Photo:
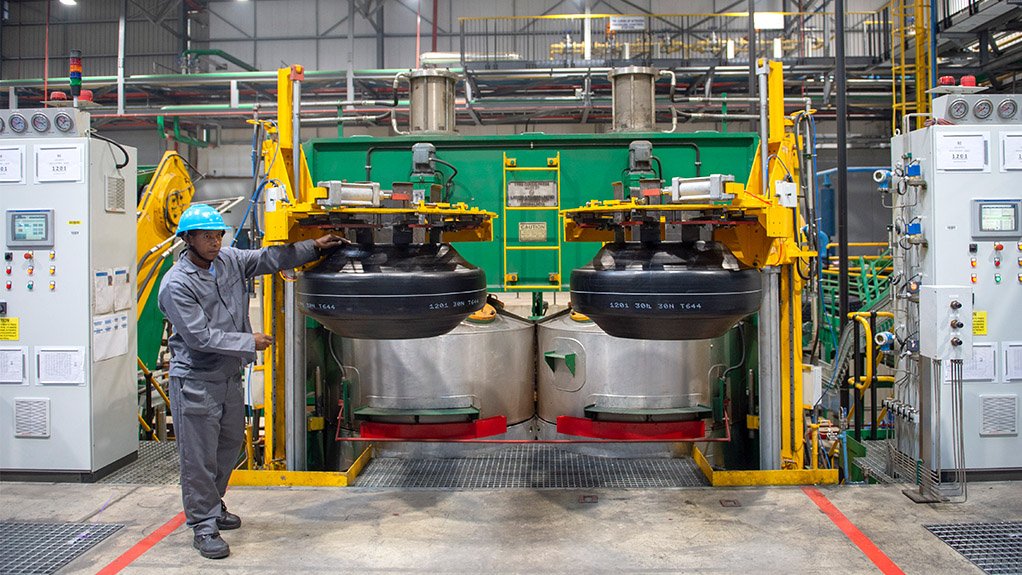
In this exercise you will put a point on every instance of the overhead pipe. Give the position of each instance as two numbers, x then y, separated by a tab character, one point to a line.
341	119
178	136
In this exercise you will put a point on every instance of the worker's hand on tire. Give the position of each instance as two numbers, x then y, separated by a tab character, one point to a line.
329	241
262	341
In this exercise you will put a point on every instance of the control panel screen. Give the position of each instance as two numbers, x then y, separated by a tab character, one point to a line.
33	227
29	228
997	218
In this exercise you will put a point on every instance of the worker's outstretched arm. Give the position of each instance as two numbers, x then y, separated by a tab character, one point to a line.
275	258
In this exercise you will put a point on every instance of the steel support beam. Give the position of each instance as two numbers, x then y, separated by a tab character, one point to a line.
769	345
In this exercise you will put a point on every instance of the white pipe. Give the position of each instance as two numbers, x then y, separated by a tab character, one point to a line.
588	32
296	138
393	116
764	127
674	121
121	30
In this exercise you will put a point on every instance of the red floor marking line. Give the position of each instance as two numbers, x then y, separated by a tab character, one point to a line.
147	543
871	551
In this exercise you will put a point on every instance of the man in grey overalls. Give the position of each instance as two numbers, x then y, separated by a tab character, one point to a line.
204	298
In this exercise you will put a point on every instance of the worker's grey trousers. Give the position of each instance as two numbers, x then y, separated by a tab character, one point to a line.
209	427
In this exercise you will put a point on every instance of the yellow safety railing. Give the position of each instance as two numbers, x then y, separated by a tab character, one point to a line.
910	59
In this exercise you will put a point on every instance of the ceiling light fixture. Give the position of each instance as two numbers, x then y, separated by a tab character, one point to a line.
69	2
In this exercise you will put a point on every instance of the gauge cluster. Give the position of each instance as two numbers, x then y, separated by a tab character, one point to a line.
979	108
42	122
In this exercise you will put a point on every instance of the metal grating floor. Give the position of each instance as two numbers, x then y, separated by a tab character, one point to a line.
996	548
157	464
531	467
43	548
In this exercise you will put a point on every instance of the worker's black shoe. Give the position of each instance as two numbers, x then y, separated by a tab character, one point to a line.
227	520
211	546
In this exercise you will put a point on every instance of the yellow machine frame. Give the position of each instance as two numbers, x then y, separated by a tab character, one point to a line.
773	240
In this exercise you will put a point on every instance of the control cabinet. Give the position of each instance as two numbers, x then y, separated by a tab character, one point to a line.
68	391
958	225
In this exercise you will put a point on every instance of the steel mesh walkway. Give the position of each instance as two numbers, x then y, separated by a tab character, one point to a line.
157	464
43	548
531	467
996	548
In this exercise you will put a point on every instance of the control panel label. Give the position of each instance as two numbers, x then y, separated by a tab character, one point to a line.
962	152
11	163
1011	152
58	163
979	323
9	329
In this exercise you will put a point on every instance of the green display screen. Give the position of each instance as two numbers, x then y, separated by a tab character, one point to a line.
30	227
998	218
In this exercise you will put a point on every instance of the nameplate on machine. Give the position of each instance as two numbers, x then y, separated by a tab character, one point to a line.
12	165
962	152
58	164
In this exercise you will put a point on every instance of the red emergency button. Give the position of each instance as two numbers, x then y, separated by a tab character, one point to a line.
998	246
28	255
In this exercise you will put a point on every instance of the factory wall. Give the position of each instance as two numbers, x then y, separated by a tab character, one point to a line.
269	33
91	27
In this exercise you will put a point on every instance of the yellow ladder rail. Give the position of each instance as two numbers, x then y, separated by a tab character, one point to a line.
511	165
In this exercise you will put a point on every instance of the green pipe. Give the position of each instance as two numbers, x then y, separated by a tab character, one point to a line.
236	61
204	107
178	136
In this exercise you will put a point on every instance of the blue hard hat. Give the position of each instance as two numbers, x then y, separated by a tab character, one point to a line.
200	217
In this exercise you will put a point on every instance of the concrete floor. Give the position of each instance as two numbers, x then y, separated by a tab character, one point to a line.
317	530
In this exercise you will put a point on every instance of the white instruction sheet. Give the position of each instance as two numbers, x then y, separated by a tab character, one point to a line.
967	152
1013	360
58	164
60	365
982	366
102	291
12	365
109	336
122	289
12	165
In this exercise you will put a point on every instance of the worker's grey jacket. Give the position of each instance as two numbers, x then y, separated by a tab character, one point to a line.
212	337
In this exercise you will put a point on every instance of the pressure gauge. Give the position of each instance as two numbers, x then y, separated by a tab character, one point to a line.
63	122
40	122
958	109
17	124
983	109
1007	109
